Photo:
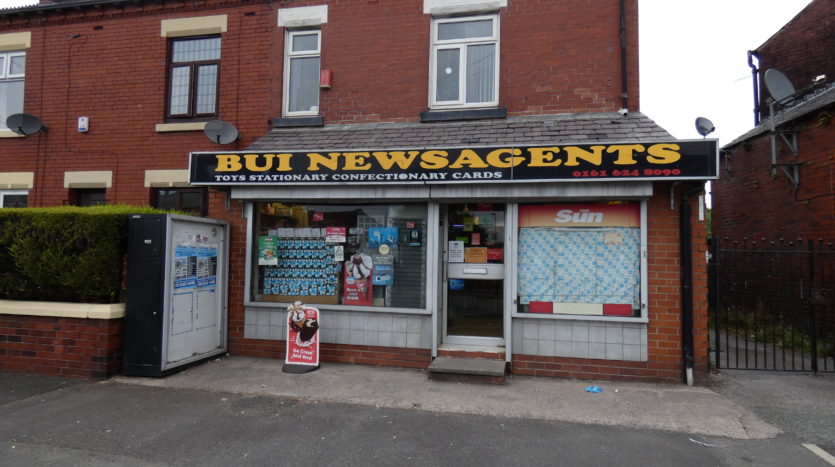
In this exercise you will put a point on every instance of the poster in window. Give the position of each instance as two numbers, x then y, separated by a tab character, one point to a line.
267	249
382	236
358	289
383	270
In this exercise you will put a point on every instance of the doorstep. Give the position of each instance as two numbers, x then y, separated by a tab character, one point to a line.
468	370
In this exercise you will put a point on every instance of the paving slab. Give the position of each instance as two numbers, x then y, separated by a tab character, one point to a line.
677	408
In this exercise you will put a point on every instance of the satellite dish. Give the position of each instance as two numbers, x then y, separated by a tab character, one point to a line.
220	132
704	126
778	85
24	124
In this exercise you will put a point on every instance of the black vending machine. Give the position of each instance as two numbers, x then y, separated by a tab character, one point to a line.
176	291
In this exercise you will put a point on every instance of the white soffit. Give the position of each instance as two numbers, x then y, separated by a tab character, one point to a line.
91	179
17	180
183	27
453	7
166	178
15	41
302	16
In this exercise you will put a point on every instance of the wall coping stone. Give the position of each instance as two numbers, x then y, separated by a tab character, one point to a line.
63	309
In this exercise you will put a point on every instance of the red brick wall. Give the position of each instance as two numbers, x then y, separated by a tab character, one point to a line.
665	354
341	353
802	49
70	347
749	203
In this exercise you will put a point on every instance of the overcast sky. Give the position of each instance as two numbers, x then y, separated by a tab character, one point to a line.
694	61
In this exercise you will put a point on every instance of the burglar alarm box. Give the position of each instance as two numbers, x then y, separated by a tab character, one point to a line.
176	290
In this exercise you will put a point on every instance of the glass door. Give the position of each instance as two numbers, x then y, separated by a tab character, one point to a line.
474	272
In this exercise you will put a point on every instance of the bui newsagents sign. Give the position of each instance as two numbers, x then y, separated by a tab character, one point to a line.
680	160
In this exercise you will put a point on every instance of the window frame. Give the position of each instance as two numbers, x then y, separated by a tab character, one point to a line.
461	45
289	55
4	193
204	192
193	76
6	76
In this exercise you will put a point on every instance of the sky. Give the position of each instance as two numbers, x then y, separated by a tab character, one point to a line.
693	60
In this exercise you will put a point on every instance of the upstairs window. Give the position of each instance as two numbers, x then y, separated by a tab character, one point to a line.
193	77
301	77
189	200
12	73
464	62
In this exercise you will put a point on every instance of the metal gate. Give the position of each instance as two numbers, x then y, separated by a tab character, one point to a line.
771	304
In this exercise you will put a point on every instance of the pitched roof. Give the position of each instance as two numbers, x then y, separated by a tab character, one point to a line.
810	104
528	130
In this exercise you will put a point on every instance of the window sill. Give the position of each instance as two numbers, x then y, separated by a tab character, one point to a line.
329	307
564	317
9	134
292	122
169	127
463	114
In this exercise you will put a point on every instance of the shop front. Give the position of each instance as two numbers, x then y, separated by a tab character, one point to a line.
527	253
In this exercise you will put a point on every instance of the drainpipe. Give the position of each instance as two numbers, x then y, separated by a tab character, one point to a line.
623	77
756	81
686	261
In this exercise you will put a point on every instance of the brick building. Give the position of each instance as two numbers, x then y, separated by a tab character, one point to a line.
793	186
440	177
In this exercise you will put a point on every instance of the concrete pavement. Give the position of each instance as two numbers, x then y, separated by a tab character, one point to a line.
694	410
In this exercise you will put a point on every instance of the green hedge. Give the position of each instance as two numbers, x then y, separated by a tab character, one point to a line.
65	253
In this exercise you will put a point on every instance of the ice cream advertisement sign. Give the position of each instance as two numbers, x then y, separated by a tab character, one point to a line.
302	335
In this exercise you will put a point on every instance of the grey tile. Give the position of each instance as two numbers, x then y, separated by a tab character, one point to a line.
415	325
399	323
372	322
546	330
413	340
562	331
358	322
384	339
562	348
530	330
614	351
277	318
343	321
614	334
426	340
580	349
597	350
530	346
262	332
546	348
644	356
264	317
644	337
384	323
597	334
357	337
250	331
516	331
631	336
327	334
250	317
398	339
369	338
580	331
343	336
632	353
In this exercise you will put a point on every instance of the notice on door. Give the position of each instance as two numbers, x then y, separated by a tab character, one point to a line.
455	253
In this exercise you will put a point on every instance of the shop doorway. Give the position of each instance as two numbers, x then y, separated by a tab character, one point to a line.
474	273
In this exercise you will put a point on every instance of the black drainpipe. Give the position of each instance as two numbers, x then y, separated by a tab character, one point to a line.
623	78
756	80
686	261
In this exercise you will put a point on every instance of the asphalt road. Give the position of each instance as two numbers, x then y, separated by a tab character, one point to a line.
60	422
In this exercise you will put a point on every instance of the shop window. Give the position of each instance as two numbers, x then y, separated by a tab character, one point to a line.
193	77
12	73
362	255
189	200
464	62
88	197
14	199
580	259
301	79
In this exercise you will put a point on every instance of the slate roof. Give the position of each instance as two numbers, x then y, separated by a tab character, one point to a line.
810	104
518	131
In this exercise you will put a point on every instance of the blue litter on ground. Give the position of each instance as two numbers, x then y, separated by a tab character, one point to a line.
594	389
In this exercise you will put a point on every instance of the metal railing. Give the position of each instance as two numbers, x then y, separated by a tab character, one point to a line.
772	304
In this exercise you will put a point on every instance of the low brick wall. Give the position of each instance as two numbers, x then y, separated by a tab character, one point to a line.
591	369
61	339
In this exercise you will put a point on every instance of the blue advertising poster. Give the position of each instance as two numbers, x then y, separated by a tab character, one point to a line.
185	267
382	236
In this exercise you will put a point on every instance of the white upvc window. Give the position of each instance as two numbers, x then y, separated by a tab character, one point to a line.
465	62
12	73
14	198
301	72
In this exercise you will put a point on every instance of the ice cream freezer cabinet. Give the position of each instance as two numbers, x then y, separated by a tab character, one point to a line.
176	293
